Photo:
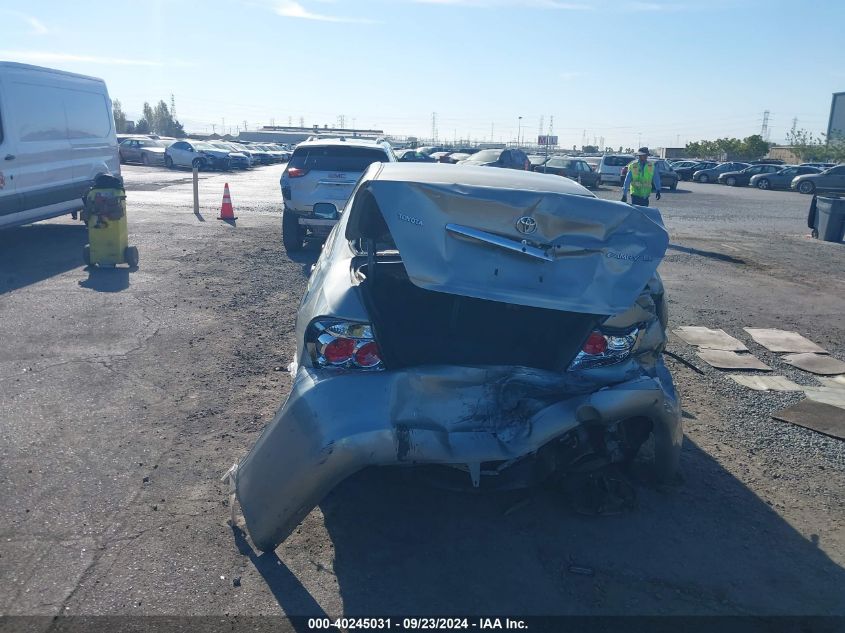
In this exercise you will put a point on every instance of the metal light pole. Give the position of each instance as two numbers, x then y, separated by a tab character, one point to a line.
518	131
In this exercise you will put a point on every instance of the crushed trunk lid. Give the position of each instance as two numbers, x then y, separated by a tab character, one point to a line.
537	242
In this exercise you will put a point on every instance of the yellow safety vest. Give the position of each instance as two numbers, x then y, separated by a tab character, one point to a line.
641	179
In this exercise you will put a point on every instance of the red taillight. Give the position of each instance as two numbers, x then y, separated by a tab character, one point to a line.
340	350
368	355
296	172
596	344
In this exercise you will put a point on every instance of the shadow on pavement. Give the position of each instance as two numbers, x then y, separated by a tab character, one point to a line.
29	254
107	279
709	546
722	257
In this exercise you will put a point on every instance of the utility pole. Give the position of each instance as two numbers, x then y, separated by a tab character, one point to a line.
244	125
173	107
214	128
434	127
302	121
540	129
518	131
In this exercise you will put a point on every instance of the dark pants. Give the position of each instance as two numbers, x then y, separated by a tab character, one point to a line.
640	202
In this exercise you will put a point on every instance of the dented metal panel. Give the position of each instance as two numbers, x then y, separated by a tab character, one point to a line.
431	415
581	254
336	422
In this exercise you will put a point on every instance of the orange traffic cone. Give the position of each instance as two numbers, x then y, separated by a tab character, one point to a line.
226	210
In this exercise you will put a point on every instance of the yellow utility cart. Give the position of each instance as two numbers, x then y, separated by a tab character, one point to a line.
105	216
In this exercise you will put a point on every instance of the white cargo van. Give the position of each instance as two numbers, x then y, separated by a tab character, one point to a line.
56	136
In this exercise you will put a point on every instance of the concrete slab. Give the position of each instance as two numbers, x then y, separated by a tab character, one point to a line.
725	359
833	396
816	363
776	340
818	416
833	381
767	383
709	339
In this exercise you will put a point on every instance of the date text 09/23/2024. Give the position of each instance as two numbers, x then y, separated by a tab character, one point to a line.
413	624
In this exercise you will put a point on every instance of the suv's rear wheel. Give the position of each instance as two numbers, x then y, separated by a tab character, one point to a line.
292	234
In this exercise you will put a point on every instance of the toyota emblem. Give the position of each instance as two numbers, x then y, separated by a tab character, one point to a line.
526	225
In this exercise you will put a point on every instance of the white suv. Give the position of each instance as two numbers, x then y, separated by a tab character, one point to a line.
317	182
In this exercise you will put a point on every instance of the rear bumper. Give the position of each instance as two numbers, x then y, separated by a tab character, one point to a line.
333	425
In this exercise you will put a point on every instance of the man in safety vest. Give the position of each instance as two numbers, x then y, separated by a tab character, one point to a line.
640	178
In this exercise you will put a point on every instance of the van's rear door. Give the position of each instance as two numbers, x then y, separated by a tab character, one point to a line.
9	199
562	251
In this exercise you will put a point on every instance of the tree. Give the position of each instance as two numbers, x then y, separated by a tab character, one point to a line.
805	145
589	149
119	117
159	120
754	147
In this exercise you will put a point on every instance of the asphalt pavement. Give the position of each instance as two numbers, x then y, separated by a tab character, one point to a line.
125	395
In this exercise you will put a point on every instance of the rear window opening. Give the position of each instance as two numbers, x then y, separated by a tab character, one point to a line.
336	158
414	326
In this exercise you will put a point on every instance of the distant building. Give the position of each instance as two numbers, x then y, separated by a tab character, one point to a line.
288	134
671	152
836	123
784	153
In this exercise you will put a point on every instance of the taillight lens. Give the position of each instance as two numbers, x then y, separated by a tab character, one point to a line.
596	344
338	344
339	350
605	348
368	355
296	172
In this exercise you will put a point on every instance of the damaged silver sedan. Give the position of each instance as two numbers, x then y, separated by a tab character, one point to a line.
490	321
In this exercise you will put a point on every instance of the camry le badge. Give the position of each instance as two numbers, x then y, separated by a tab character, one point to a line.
526	225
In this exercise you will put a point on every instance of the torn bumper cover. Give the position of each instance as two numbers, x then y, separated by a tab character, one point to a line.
335	425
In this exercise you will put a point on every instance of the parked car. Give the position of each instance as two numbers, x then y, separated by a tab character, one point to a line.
440	306
440	157
457	157
199	154
821	166
237	158
781	179
686	170
142	150
537	160
508	158
711	174
56	137
413	156
317	182
574	168
263	156
743	176
610	168
829	181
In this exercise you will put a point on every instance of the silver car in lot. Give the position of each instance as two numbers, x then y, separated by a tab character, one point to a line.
501	325
318	180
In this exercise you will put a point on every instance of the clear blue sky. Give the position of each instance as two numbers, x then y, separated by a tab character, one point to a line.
624	70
